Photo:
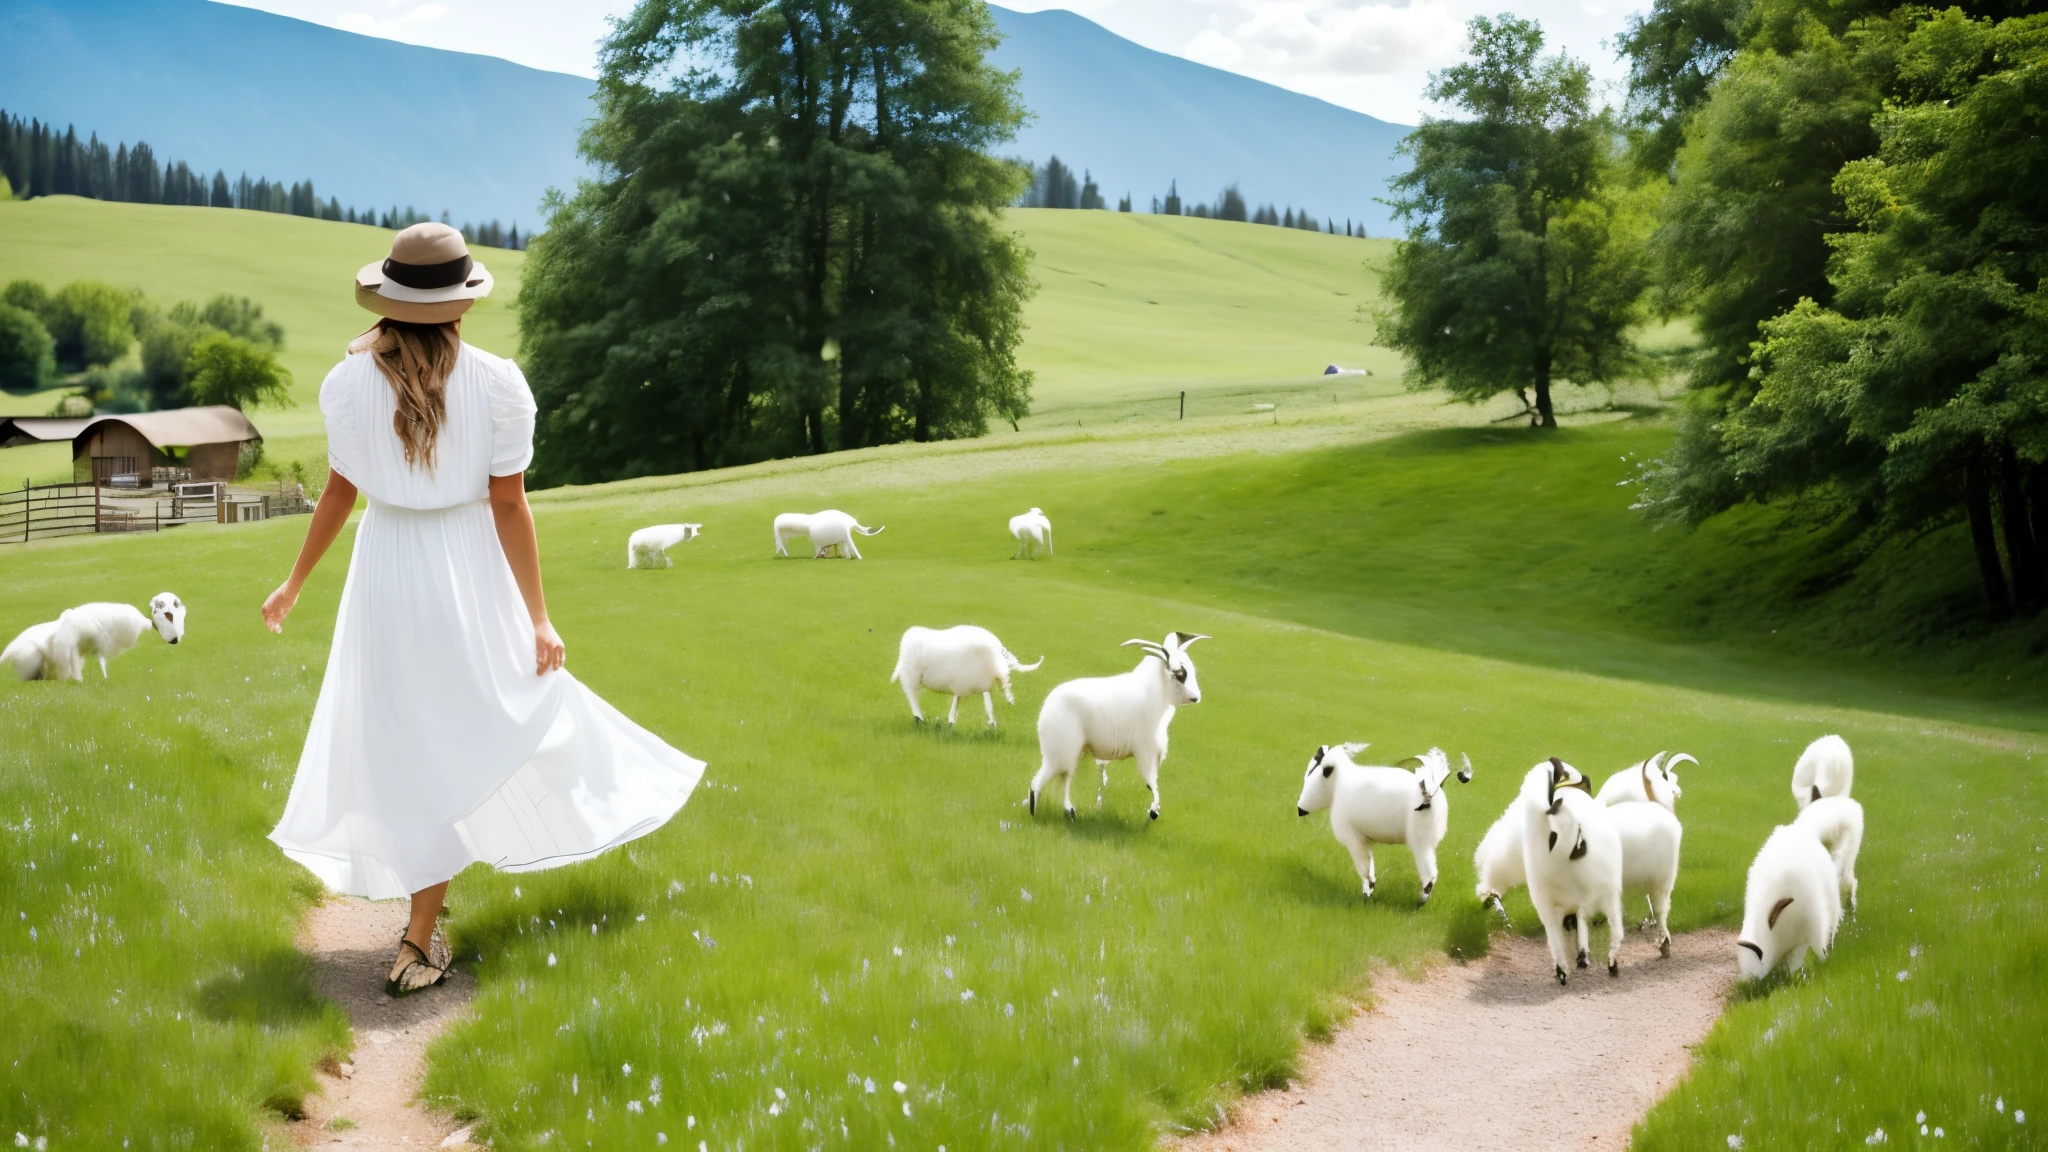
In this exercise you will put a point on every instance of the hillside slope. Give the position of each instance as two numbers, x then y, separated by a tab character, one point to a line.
1130	309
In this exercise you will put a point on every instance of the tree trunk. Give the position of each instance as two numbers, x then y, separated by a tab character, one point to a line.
2021	551
1990	576
1545	418
2037	507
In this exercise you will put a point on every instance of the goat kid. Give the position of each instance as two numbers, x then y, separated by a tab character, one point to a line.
1369	805
1033	532
827	531
648	547
1826	768
57	649
963	660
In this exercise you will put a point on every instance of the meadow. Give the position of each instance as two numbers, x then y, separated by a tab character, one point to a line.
851	902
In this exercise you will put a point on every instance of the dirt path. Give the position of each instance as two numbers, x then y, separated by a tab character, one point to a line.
369	1103
1495	1055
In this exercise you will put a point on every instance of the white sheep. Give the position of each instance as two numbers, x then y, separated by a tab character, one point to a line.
1650	837
962	660
1791	905
1371	805
1116	717
1498	860
1654	780
648	547
1571	852
826	530
1837	822
57	650
1826	768
1033	532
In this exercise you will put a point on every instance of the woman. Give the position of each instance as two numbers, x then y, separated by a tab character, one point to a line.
446	731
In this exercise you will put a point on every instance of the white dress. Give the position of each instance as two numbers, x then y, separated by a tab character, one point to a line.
433	744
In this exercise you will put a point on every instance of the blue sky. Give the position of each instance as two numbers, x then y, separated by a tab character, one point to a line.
1371	56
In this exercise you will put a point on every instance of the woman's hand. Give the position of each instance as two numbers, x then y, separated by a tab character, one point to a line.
548	650
279	606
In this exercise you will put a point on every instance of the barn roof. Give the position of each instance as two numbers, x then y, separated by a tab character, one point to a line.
171	428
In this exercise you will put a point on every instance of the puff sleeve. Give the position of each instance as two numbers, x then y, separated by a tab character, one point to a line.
512	412
337	406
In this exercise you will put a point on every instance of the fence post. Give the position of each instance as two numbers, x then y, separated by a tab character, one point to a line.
24	510
1183	404
96	529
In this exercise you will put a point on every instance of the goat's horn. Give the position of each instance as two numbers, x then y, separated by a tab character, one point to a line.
1776	910
1183	639
1151	647
1672	764
1465	777
1354	748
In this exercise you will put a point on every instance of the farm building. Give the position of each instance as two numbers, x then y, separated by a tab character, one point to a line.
207	441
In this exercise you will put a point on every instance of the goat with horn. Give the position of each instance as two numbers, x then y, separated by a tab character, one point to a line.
1122	717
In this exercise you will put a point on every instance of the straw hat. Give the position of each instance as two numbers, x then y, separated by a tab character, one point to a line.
429	278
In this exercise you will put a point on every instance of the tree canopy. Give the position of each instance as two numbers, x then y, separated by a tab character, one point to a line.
1520	265
794	244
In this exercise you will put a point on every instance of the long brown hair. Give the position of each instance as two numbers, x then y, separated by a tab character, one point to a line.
416	359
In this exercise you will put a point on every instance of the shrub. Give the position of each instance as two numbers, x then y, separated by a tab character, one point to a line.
27	356
224	369
91	322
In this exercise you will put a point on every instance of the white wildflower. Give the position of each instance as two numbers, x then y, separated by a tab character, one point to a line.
551	960
900	1087
1877	1137
966	994
1734	1141
633	1106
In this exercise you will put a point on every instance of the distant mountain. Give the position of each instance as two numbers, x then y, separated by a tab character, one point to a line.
370	121
378	122
1137	119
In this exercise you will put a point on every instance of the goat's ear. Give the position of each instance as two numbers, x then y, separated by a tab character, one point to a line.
1776	910
1816	791
1753	948
1556	806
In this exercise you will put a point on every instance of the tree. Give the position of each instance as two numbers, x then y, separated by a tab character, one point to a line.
1091	196
26	358
1520	266
1917	394
1674	52
223	369
794	242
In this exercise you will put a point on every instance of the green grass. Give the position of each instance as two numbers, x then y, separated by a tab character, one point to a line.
1192	956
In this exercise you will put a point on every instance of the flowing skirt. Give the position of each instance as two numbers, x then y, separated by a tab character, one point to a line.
434	745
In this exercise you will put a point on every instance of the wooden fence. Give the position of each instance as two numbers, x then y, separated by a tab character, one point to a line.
41	511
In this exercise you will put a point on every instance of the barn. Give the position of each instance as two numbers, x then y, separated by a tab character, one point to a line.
208	441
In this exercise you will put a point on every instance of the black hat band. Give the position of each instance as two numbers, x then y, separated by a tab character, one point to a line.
429	276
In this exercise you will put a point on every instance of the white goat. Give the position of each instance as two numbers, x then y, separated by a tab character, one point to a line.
1826	768
1116	717
1571	852
826	530
1498	860
962	660
1650	837
1791	905
1382	806
648	547
1655	780
1033	531
1837	822
57	650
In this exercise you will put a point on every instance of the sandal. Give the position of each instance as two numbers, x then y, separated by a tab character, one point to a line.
418	973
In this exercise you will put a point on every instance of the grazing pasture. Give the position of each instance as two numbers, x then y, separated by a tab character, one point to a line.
1190	957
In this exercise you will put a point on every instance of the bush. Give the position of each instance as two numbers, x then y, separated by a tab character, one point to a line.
224	369
249	460
92	324
27	357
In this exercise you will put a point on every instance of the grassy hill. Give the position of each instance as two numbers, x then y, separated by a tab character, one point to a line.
1378	567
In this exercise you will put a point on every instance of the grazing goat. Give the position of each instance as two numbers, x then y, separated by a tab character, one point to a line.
1033	532
1116	717
1650	837
1571	852
826	530
648	547
1498	860
1826	768
1654	780
1792	904
962	660
57	650
1382	806
1837	822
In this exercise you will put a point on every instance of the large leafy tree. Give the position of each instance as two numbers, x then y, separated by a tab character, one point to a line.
1919	389
795	243
1519	266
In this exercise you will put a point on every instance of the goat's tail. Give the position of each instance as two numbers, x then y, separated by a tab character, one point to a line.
1017	665
868	531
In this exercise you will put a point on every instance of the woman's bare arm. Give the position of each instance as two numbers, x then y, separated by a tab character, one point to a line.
522	552
337	500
